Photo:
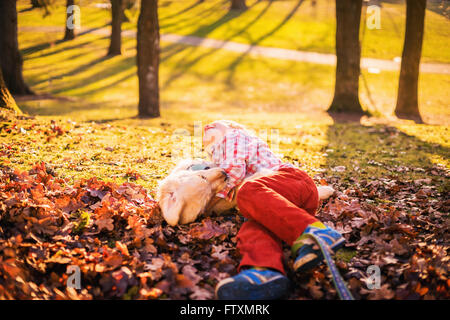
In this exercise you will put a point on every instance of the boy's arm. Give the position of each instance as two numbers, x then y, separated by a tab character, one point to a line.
231	158
236	174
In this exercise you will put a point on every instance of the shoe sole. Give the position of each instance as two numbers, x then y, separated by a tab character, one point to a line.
275	289
319	257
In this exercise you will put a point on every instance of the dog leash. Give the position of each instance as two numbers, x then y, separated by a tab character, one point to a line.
338	281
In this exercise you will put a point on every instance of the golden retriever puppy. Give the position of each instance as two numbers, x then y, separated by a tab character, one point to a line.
188	190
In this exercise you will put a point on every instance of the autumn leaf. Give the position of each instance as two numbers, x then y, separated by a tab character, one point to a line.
113	261
105	223
122	248
383	220
207	230
384	293
183	281
191	273
315	292
10	268
201	294
153	293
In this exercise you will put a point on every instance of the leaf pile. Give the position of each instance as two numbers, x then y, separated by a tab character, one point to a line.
400	226
113	233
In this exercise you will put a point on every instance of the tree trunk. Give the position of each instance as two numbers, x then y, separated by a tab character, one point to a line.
6	99
148	59
10	58
117	14
238	5
348	54
407	98
69	34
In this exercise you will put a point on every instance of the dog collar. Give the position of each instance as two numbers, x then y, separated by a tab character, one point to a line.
196	167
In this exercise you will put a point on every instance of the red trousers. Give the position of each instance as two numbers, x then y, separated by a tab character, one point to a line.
278	207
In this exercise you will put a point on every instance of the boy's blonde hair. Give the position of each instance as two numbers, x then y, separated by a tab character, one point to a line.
221	126
230	123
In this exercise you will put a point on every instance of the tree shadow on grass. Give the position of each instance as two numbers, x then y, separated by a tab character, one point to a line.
105	72
30	8
192	20
380	151
184	10
440	7
233	65
186	63
57	106
128	75
84	67
46	45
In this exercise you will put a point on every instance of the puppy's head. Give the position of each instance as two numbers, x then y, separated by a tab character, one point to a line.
184	194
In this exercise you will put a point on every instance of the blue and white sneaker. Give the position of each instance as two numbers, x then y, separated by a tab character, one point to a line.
308	251
253	284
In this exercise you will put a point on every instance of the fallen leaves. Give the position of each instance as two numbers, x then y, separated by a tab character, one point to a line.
113	233
207	230
116	236
397	226
45	222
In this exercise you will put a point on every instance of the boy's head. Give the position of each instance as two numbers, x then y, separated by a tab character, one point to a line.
215	131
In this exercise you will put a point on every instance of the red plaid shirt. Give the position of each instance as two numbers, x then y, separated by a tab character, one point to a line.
242	155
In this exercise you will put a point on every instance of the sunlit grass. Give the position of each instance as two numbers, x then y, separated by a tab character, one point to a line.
291	24
199	85
197	78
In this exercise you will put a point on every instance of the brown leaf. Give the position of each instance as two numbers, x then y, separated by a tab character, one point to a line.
384	293
315	292
191	273
183	281
207	230
9	267
113	261
122	248
200	294
105	223
153	293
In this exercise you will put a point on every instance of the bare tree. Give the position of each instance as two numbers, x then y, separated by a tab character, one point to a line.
10	57
407	98
148	59
238	5
117	14
6	99
69	33
348	54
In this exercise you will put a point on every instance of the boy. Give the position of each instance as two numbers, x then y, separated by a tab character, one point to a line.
279	207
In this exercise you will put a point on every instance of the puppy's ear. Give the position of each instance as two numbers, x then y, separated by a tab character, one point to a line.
171	207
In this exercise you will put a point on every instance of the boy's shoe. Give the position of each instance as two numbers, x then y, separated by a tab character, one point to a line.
253	284
308	251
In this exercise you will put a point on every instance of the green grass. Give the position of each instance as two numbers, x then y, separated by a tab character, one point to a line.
288	24
199	85
346	254
96	101
124	150
196	78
